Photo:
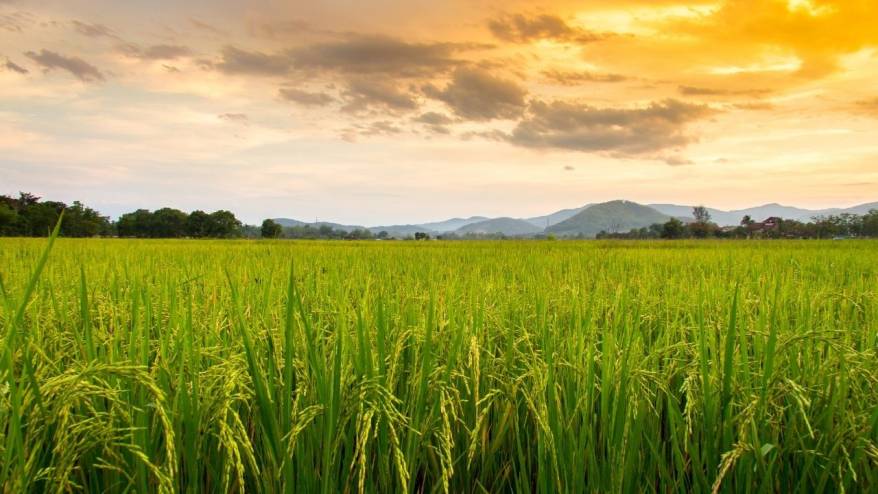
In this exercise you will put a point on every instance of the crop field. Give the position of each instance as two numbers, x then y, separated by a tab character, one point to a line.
529	366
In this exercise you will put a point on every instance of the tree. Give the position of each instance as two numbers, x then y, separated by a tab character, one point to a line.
701	214
224	225
168	223
383	235
747	220
137	224
702	227
39	218
198	224
422	236
674	228
869	222
271	229
82	221
8	220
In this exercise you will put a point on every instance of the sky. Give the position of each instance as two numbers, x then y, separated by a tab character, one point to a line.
389	111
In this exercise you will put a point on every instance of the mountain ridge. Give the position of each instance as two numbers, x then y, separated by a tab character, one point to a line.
601	218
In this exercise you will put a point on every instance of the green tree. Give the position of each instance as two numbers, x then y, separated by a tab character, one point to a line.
198	224
82	221
168	223
673	228
271	229
135	224
8	220
224	225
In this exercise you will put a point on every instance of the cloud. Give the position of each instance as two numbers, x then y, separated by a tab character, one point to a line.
518	28
868	107
816	32
92	30
678	161
15	21
706	91
568	78
380	54
241	118
433	118
379	128
304	97
627	132
436	122
476	94
81	69
155	52
14	67
206	27
237	61
362	94
755	105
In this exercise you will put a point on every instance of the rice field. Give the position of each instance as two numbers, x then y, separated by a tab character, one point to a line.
530	366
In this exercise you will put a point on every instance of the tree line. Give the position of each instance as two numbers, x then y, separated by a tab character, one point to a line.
823	227
28	216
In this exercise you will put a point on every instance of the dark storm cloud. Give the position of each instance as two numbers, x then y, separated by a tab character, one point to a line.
156	52
519	28
559	125
14	67
304	97
576	78
363	94
92	30
81	69
476	94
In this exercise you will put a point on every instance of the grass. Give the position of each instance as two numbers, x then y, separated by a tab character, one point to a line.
218	366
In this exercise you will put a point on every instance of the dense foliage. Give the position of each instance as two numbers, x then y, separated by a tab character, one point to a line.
28	216
832	226
438	366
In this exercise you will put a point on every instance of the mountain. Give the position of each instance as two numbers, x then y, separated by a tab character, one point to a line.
554	218
289	222
506	226
401	231
613	216
452	224
860	209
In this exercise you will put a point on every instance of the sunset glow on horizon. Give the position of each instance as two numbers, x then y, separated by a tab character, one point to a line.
405	112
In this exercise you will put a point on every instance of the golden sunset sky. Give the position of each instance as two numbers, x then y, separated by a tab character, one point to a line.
391	112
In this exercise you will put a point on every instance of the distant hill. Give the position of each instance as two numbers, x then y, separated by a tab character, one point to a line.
554	218
619	216
286	222
401	231
613	216
289	222
452	224
506	226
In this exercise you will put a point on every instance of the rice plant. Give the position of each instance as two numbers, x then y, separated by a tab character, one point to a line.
276	367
